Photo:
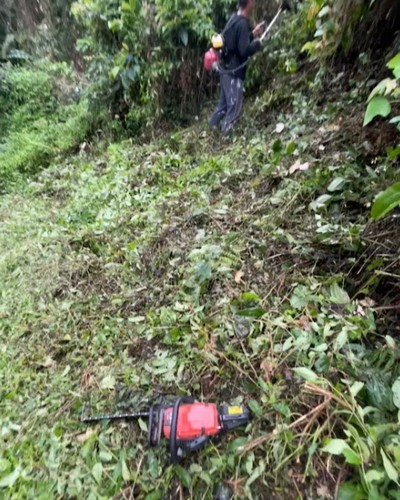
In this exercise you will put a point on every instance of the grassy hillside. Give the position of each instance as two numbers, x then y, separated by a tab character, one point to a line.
241	270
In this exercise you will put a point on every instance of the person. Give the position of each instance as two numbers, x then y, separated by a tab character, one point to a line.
240	43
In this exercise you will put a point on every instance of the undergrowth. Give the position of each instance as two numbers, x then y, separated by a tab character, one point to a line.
243	271
40	119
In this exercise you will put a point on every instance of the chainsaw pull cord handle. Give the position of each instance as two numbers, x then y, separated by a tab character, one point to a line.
173	445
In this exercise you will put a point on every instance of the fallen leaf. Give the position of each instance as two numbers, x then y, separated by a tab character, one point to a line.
333	127
323	491
85	435
238	276
360	311
242	326
87	379
304	323
268	367
298	166
391	84
390	342
367	302
48	362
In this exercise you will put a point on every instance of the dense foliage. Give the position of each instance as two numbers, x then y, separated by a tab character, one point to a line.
138	52
40	118
140	257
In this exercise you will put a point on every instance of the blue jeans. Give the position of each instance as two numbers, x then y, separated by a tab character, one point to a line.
229	107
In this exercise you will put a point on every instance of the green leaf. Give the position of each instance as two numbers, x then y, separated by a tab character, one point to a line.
306	373
8	480
351	491
337	295
356	388
249	297
97	471
352	457
384	87
341	340
377	106
386	201
204	476
105	456
125	471
394	63
183	476
337	184
253	312
374	475
154	495
128	6
389	468
203	272
132	73
115	25
184	36
195	469
379	392
237	443
142	425
277	146
320	202
336	446
290	148
108	382
255	408
390	342
393	153
396	393
153	465
258	471
324	11
301	297
309	47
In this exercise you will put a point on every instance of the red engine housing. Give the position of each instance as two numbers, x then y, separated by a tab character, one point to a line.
194	420
211	59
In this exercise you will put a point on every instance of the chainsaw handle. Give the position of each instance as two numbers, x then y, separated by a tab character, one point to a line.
173	445
155	423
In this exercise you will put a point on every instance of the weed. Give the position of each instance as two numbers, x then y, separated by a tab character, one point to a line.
245	272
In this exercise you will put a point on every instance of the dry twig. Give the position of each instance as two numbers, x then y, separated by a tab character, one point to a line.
262	439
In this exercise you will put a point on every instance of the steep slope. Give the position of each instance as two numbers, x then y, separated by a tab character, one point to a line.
241	270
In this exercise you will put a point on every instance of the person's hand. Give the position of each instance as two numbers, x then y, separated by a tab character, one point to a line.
257	31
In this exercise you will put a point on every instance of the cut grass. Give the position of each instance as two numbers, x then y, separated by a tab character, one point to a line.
180	266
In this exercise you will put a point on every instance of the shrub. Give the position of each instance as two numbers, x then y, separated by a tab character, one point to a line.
145	54
38	121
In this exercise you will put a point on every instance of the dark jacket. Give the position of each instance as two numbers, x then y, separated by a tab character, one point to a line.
238	45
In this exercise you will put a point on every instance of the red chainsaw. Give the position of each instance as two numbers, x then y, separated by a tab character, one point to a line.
186	423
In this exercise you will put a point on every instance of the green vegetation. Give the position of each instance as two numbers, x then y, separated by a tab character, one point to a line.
140	257
35	127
